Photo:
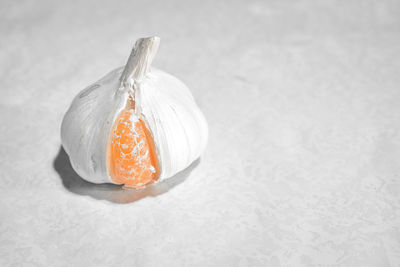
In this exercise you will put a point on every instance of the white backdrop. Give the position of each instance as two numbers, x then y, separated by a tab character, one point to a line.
303	162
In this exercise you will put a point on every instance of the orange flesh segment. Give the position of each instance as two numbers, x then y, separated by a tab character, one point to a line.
132	158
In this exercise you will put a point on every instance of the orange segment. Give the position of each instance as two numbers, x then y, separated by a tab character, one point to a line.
131	153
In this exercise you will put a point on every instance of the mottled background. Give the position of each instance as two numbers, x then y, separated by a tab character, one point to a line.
303	162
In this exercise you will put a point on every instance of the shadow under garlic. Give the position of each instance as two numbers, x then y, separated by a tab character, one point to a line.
111	192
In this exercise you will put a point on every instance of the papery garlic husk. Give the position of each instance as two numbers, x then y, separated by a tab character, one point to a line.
173	120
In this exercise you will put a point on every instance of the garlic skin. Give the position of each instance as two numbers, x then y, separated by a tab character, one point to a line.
179	128
86	127
177	125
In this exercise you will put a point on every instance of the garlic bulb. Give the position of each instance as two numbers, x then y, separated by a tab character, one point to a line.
135	126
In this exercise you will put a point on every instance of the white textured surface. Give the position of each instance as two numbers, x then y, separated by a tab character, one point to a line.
303	162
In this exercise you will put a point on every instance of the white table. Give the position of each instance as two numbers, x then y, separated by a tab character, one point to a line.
303	162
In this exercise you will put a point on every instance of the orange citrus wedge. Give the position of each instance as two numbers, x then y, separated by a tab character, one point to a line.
131	153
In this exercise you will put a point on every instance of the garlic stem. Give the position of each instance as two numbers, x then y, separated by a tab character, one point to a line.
139	61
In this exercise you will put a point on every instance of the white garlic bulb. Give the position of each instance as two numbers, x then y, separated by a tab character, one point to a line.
135	126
